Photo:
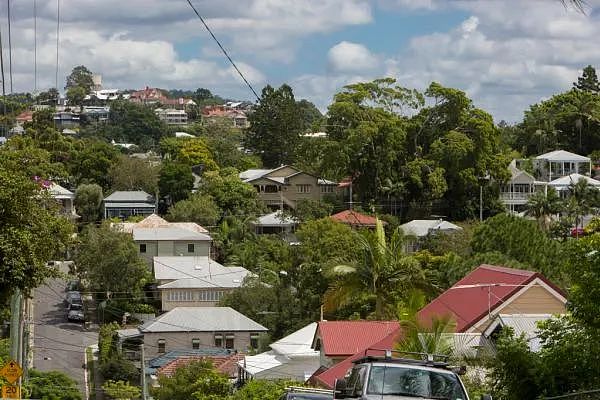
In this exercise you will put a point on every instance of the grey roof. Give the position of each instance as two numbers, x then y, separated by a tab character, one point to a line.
565	181
128	333
59	192
151	234
202	319
251	174
276	219
562	155
130	195
522	324
149	206
422	227
196	273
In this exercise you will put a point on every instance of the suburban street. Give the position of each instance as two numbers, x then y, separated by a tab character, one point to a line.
58	344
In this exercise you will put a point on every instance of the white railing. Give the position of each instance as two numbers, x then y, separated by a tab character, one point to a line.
515	196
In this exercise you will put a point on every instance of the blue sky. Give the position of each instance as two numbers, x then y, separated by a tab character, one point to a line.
505	54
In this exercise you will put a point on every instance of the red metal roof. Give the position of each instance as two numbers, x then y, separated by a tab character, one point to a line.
344	338
355	218
468	305
328	377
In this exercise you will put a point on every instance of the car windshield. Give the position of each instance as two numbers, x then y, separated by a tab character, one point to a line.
414	382
76	307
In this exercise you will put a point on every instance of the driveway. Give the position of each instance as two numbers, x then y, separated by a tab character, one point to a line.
58	345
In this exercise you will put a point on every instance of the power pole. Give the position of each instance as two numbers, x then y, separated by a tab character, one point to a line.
15	325
143	377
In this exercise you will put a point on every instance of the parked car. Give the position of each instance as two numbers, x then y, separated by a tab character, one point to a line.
577	232
73	297
75	313
386	377
301	393
72	286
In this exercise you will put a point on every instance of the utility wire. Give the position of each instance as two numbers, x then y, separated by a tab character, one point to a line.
57	40
2	70
34	46
9	46
223	50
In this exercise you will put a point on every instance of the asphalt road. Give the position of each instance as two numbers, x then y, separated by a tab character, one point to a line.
58	345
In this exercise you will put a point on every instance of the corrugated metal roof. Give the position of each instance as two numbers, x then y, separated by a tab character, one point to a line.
202	319
344	338
297	344
562	155
154	221
352	217
151	234
276	219
130	195
196	272
522	324
422	227
111	205
566	181
468	303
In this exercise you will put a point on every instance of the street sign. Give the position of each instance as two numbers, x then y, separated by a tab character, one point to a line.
11	371
11	392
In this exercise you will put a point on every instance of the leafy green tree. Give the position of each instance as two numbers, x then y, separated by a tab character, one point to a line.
25	156
49	97
263	390
118	369
197	208
307	210
109	260
175	181
542	206
52	385
91	162
120	390
231	194
133	123
311	116
80	77
197	380
584	198
324	240
88	202
523	241
588	81
275	127
515	370
76	95
382	271
31	230
128	173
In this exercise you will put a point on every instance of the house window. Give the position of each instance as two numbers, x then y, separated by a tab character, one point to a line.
195	343
303	188
229	341
271	189
143	248
178	295
218	340
210	295
254	340
162	344
326	189
190	247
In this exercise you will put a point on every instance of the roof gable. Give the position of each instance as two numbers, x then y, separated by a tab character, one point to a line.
480	292
562	155
202	319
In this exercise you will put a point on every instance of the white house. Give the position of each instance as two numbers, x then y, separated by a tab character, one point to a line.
421	228
65	199
194	281
123	204
289	358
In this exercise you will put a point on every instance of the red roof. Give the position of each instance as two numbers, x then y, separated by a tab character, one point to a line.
224	364
344	338
328	377
468	305
25	116
355	218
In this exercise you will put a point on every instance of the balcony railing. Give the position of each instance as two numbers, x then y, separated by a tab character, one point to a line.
515	195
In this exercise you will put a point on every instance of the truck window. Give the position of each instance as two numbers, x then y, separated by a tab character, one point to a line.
392	380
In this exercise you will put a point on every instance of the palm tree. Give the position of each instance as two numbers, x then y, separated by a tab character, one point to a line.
430	337
583	198
543	206
382	270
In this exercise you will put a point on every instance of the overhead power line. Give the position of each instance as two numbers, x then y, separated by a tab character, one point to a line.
223	50
10	74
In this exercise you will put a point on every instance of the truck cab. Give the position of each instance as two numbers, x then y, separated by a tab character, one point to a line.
386	377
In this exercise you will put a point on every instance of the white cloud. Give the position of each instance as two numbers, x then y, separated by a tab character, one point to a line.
351	57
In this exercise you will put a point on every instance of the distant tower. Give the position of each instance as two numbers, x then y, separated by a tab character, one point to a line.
97	79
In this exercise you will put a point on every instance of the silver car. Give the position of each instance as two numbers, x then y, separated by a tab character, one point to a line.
75	313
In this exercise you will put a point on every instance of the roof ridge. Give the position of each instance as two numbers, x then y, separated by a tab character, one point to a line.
508	270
